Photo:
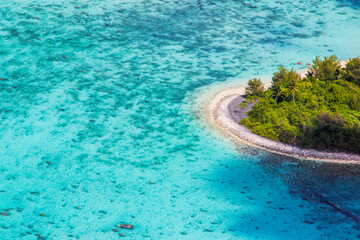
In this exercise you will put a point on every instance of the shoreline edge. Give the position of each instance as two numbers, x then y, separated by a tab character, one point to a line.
218	113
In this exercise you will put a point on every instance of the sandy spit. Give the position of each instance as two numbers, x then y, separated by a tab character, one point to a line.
219	112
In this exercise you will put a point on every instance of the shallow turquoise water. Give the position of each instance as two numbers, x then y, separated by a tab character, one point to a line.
104	91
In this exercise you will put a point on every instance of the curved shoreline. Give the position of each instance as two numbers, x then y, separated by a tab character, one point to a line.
220	112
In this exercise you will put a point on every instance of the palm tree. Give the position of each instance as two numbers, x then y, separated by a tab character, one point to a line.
293	89
281	91
290	89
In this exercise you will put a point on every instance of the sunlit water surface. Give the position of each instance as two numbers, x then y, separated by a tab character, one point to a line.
96	112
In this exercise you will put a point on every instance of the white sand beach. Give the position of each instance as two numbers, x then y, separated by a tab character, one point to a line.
223	112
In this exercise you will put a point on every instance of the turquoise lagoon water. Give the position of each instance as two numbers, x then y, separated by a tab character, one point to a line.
105	91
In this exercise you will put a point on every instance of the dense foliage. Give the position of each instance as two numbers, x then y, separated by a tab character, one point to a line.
255	88
320	111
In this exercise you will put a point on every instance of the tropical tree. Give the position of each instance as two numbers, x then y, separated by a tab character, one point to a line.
281	80
293	89
352	71
280	94
327	69
326	114
255	88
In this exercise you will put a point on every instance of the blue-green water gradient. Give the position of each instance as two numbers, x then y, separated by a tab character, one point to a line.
97	127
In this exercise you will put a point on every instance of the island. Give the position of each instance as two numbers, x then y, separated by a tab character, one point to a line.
314	115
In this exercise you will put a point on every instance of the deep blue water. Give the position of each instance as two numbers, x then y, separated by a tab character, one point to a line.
97	112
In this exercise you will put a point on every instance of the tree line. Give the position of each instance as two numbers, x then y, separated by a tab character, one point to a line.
321	110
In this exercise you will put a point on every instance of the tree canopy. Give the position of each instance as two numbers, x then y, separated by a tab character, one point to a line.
320	111
255	88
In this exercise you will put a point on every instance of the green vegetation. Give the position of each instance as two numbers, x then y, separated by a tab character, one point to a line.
326	70
352	71
248	99
255	88
320	111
